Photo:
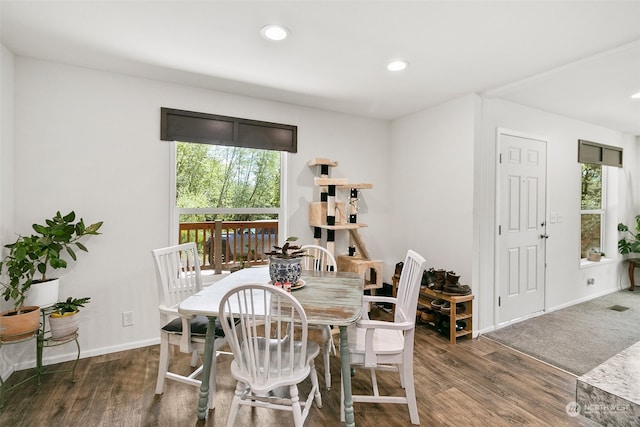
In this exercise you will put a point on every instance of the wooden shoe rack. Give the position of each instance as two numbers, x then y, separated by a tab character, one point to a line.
424	301
427	295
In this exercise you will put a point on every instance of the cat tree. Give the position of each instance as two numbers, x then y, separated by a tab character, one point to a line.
331	215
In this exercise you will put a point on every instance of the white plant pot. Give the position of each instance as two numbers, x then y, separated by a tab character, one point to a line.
63	326
43	294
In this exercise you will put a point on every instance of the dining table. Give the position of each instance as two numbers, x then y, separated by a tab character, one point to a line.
328	298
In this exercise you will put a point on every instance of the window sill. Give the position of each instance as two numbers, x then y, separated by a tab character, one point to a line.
585	263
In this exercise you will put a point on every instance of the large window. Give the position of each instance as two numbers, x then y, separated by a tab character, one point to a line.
228	200
227	189
226	183
592	209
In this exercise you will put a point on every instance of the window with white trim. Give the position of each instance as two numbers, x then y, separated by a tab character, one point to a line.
592	209
227	184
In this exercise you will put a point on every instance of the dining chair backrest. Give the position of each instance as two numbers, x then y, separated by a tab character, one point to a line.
178	271
409	287
318	258
255	318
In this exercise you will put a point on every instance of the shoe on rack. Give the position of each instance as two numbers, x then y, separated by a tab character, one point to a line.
428	279
457	289
451	278
440	276
436	304
427	316
446	307
460	308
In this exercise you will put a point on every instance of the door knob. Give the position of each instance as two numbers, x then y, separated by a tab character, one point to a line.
544	236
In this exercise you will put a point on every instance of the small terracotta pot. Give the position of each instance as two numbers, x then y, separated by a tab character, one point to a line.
14	327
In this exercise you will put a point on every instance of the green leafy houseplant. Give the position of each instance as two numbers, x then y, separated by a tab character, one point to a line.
629	242
63	319
30	256
71	305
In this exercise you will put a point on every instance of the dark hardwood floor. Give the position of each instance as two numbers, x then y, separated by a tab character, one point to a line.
474	383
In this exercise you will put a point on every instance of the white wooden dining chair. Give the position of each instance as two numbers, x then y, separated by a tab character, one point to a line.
178	274
257	319
382	345
318	258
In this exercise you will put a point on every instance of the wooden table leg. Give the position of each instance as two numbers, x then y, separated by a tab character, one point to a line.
345	361
203	402
632	266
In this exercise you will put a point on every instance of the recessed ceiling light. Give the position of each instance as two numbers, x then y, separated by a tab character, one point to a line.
274	32
636	95
398	65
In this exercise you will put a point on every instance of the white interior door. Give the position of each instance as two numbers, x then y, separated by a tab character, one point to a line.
521	226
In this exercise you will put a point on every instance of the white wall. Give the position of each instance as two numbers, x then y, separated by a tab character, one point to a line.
6	167
566	280
432	159
89	141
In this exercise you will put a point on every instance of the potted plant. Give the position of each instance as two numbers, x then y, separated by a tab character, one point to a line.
285	263
594	255
63	319
629	242
25	267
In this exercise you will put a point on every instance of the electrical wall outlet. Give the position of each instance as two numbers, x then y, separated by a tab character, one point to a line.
591	281
127	318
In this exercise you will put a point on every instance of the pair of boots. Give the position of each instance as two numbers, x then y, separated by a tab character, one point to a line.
452	287
443	278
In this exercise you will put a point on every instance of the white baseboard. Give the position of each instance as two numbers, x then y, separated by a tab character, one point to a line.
583	299
72	354
549	310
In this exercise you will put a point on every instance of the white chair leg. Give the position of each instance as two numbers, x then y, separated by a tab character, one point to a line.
374	383
326	354
315	384
407	373
194	358
296	409
163	364
235	404
401	373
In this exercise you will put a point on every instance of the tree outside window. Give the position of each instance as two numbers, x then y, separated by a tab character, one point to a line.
592	209
237	189
218	178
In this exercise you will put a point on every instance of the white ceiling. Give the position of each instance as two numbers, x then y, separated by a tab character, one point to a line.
576	58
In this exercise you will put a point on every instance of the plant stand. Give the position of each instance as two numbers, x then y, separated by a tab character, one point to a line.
43	340
633	264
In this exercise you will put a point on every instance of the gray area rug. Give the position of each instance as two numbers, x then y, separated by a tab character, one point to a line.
581	337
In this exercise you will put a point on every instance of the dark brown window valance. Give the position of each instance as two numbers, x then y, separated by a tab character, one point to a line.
190	126
599	154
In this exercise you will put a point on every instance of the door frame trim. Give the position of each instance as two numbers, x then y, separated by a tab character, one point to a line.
500	131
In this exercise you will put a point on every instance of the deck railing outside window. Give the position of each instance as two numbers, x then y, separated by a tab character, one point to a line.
225	245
